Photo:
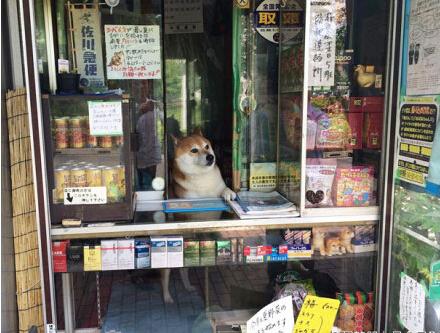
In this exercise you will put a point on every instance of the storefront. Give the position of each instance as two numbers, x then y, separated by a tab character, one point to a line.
331	104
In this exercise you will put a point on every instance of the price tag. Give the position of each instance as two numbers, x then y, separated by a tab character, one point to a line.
95	195
105	118
317	315
277	317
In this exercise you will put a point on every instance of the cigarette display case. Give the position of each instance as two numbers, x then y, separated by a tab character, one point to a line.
88	157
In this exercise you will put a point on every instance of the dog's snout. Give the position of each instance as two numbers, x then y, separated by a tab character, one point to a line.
210	158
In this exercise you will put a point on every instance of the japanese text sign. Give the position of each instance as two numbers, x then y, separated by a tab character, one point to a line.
87	36
85	195
105	118
133	51
412	304
276	317
317	315
322	44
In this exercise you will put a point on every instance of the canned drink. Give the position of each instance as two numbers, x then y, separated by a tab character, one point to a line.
76	133
91	140
106	141
94	176
122	179
111	180
61	132
62	181
119	140
78	177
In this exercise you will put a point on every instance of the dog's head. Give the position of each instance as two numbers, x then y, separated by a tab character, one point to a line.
193	154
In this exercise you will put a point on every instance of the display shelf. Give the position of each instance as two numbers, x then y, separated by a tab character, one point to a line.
89	151
159	223
418	236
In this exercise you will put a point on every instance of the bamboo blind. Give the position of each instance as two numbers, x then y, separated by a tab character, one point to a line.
27	261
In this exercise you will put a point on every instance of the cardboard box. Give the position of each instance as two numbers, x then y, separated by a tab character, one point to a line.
355	121
295	251
59	256
142	257
207	253
364	239
125	253
224	252
109	254
372	133
92	258
175	251
159	257
75	258
191	253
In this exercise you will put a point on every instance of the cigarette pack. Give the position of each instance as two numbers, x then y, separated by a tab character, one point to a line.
207	253
175	251
276	253
224	252
159	252
191	253
109	255
75	258
142	252
125	253
92	258
59	256
253	254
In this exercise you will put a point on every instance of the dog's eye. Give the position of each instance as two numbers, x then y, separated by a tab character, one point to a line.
206	147
194	150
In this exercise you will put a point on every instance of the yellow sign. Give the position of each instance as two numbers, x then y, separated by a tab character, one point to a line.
317	315
92	258
243	3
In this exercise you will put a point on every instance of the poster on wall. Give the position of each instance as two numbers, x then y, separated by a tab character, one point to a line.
423	48
411	304
87	38
183	17
133	51
417	124
322	44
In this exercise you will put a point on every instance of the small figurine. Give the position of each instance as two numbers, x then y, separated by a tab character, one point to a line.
332	246
318	236
363	79
345	236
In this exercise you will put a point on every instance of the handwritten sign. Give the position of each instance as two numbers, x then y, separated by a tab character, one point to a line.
317	315
277	317
96	195
105	118
88	51
412	304
323	44
133	51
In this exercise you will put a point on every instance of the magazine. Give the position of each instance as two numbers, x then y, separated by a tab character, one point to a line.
194	205
261	214
257	202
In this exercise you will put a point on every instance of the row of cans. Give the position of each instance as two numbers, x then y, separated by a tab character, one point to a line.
112	177
75	133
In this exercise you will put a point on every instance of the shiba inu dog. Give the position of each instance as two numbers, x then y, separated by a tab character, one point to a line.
194	175
118	59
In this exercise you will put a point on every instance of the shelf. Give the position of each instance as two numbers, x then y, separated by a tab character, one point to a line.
158	223
89	151
418	236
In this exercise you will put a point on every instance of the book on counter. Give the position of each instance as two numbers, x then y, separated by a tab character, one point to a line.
194	205
260	214
254	202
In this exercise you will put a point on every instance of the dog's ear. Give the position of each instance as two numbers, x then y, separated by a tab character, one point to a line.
198	131
175	139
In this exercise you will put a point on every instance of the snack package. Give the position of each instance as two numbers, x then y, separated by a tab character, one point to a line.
353	186
298	290
356	312
320	174
332	132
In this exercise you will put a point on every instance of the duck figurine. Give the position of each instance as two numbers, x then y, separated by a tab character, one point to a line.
363	79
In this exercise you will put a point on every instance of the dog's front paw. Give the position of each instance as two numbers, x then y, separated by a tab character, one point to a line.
228	194
167	298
